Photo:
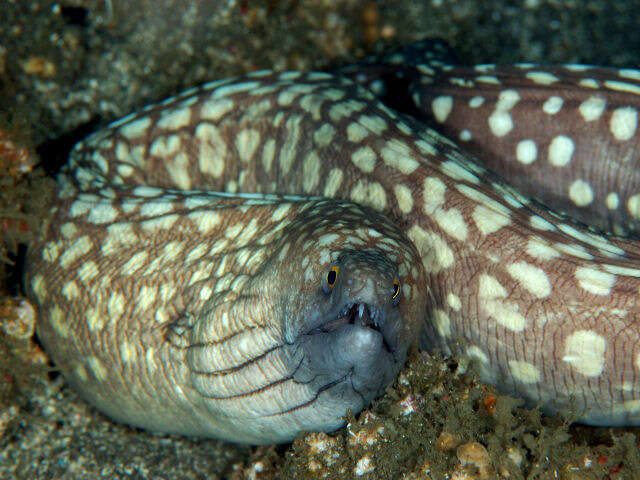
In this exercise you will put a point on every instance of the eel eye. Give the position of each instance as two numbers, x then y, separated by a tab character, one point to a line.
331	279
396	291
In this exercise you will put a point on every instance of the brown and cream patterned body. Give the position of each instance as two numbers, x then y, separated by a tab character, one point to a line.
567	135
548	308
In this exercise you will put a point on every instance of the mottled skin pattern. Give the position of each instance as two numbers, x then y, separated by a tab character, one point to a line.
202	314
547	308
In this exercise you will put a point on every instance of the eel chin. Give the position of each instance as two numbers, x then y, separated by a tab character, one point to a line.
351	358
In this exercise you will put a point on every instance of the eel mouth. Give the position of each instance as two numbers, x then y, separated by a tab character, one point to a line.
359	314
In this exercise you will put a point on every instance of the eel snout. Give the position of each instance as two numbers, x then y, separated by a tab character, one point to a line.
356	351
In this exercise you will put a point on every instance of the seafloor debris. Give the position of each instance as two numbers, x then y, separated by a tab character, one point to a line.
435	424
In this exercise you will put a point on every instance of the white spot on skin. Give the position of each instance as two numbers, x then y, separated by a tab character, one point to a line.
127	352
459	172
622	86
442	322
574	250
589	83
248	233
476	102
406	291
50	252
87	272
631	73
215	109
465	135
163	222
102	213
174	119
488	79
136	262
310	172
489	221
454	301
74	251
375	124
116	306
584	352
592	108
540	249
396	154
507	100
560	151
290	146
580	193
356	132
95	319
150	357
312	103
324	135
334	181
476	353
345	109
500	123
268	152
125	170
147	192
539	223
552	105
212	151
228	90
205	293
433	194
178	171
435	253
595	281
206	221
452	222
155	208
327	239
526	152
365	159
57	321
491	292
633	205
624	122
165	146
524	372
136	129
612	201
247	142
71	291
233	230
541	78
441	107
280	212
146	297
531	278
404	197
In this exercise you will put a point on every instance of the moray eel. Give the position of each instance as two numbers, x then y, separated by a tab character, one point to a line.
248	318
175	320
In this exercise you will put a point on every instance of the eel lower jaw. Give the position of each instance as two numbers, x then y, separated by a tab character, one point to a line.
360	314
354	346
